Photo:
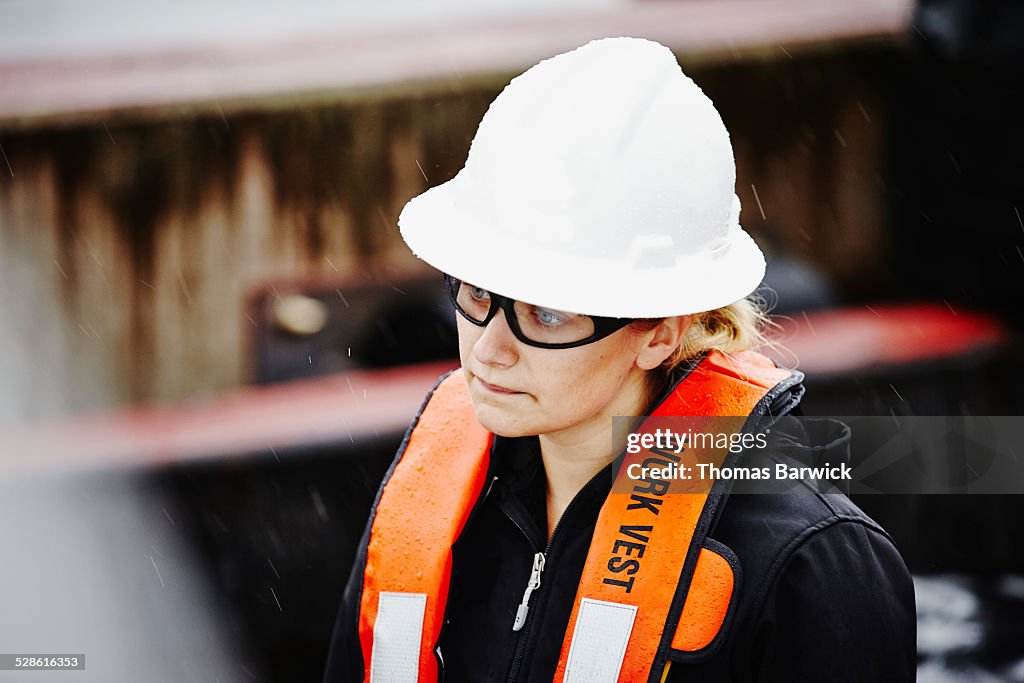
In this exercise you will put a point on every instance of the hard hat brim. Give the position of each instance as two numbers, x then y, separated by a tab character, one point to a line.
469	247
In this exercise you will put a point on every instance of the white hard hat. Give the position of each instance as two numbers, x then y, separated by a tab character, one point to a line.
601	181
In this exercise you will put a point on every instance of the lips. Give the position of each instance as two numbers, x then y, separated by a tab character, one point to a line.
496	388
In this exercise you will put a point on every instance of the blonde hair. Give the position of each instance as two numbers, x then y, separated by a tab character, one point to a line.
737	327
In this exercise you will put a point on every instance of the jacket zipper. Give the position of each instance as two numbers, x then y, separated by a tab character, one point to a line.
534	584
524	630
539	561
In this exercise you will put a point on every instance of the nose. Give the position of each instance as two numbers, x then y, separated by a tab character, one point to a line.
496	344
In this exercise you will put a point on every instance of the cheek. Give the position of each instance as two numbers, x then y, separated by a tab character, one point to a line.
580	387
468	334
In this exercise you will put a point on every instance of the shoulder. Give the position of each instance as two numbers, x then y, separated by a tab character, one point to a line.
825	592
772	524
768	531
823	589
765	522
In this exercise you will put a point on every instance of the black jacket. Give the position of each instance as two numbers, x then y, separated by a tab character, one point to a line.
823	594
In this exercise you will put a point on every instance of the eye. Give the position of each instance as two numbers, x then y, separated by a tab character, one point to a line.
549	317
479	294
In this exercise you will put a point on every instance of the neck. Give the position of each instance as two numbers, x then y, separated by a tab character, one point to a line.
570	464
573	456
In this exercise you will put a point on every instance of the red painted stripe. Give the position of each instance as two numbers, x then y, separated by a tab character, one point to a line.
344	408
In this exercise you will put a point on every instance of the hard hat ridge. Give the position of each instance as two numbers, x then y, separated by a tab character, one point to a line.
605	167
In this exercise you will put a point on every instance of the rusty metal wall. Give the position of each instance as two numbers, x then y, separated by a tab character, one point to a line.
128	248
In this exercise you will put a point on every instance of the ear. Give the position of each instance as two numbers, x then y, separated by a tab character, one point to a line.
662	341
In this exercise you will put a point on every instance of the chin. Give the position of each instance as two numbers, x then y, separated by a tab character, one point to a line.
501	422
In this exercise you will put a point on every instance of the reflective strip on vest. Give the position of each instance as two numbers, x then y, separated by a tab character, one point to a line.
396	637
599	641
421	511
614	634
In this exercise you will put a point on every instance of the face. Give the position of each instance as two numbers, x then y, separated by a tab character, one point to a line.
520	390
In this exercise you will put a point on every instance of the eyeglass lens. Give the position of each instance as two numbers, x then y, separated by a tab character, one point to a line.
538	324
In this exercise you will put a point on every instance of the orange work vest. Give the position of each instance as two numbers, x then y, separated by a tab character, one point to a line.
675	600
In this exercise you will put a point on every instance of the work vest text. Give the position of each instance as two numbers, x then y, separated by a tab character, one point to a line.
646	497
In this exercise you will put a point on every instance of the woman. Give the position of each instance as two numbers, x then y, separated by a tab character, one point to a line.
504	543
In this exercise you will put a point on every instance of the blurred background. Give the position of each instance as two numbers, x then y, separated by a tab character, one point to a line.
212	336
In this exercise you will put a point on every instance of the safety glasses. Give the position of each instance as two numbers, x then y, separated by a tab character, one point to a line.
546	328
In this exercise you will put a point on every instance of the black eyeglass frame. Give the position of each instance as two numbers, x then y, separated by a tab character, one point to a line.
603	326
